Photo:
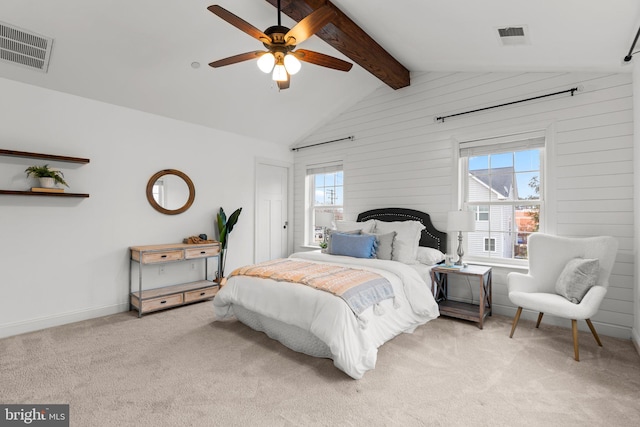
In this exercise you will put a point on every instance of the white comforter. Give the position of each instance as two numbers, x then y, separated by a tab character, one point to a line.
353	342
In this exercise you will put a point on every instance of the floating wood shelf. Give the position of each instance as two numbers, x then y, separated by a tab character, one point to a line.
13	153
25	154
38	193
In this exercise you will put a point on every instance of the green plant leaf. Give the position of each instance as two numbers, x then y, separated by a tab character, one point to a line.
233	219
46	172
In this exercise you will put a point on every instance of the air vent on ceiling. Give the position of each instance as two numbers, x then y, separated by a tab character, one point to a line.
25	48
513	36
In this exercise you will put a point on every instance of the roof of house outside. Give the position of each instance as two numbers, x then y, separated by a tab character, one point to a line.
500	180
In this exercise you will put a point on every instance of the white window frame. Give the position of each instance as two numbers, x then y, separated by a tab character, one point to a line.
478	212
310	206
509	141
489	240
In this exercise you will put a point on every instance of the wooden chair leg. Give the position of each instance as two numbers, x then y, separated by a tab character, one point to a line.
574	327
593	331
515	321
539	320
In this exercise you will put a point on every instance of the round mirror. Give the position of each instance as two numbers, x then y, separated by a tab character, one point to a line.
170	192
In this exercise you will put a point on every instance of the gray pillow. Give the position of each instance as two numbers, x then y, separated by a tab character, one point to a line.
578	276
384	247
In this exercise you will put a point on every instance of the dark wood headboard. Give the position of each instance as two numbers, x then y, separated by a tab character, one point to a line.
431	237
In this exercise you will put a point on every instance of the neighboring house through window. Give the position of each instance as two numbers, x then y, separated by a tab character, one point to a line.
502	184
325	193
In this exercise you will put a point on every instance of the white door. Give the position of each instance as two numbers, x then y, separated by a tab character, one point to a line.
272	227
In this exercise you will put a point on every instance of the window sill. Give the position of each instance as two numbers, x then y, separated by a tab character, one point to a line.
518	267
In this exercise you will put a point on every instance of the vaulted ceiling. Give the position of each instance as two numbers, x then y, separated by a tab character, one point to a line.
144	54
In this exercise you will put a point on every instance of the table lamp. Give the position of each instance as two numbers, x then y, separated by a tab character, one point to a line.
324	220
461	221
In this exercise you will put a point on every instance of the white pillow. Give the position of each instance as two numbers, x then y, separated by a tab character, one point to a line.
429	256
405	244
578	276
364	227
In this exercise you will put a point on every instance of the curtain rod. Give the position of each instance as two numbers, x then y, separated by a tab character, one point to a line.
572	90
633	45
350	138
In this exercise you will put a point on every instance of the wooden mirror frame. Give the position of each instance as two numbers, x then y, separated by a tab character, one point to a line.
154	203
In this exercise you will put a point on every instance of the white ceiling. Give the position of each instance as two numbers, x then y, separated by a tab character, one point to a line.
138	53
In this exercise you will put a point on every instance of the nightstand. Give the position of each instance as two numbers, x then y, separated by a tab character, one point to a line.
462	310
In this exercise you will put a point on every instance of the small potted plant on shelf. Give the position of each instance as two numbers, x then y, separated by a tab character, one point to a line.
47	176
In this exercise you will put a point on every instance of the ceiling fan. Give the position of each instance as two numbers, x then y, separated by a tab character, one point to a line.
280	58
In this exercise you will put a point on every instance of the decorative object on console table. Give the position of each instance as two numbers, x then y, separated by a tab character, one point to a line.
462	310
148	300
461	221
225	226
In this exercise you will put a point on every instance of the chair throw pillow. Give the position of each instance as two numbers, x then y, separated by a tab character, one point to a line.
578	276
354	245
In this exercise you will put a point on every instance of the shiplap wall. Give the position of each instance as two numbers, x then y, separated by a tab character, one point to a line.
402	157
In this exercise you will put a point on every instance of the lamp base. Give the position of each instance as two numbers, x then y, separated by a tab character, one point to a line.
460	252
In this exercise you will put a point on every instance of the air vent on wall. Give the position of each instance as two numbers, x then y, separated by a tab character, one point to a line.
25	48
513	36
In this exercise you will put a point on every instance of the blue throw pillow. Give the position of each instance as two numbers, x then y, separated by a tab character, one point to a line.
354	245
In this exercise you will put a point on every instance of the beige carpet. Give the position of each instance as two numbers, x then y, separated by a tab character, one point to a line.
179	368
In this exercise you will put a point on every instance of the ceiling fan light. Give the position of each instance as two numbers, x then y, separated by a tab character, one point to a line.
266	62
292	64
280	73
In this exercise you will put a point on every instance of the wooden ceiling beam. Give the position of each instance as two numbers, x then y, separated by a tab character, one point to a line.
351	40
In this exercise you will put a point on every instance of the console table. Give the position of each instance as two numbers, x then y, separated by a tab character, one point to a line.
148	300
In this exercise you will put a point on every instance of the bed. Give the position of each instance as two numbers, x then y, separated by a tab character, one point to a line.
322	324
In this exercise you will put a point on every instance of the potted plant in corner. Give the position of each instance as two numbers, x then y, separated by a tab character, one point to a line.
47	176
225	226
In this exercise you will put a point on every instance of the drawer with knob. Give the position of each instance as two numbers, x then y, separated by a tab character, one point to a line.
200	294
159	303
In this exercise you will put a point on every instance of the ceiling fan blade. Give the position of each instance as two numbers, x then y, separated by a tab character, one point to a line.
237	58
309	25
322	60
239	23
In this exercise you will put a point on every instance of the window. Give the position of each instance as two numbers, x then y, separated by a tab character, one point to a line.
489	245
325	193
158	191
482	213
502	184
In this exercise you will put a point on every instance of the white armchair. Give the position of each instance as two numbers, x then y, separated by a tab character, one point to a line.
548	256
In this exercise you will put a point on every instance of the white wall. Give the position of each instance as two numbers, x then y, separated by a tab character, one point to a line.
402	157
64	259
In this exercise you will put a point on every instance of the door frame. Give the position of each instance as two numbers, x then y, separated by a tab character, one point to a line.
289	167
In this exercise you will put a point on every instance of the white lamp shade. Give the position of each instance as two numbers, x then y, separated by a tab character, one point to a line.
461	221
279	73
266	62
292	64
324	219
